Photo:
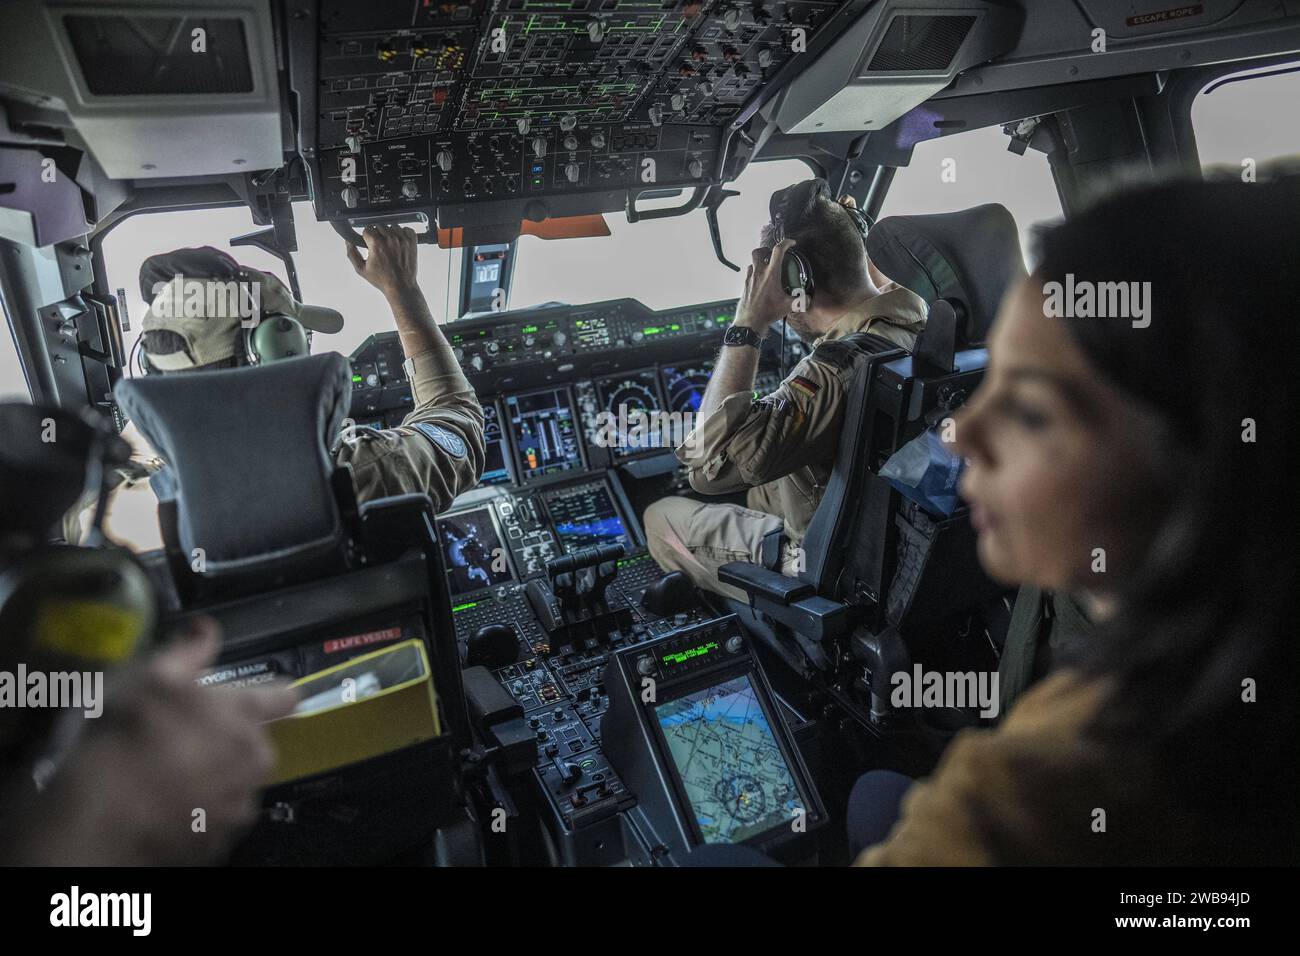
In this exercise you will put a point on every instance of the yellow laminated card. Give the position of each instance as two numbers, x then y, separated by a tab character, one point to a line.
369	706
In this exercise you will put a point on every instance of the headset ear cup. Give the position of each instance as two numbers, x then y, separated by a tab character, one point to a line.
796	274
276	337
250	346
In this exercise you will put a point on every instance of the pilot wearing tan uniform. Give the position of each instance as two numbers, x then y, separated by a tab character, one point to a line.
438	449
782	446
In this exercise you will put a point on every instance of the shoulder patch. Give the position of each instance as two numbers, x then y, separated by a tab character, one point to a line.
805	385
836	353
449	442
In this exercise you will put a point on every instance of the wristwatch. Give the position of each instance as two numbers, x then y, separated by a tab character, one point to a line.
742	335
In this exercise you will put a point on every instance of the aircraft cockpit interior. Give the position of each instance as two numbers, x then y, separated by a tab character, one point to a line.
567	556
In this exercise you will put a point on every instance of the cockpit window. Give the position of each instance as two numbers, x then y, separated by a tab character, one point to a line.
966	169
1248	119
662	262
324	273
13	386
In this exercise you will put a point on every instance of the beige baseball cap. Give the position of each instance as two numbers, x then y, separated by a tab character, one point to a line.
206	298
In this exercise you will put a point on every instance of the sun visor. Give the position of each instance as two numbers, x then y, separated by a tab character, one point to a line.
154	90
893	57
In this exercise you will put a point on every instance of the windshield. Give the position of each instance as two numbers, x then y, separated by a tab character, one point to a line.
662	262
1239	121
324	272
966	169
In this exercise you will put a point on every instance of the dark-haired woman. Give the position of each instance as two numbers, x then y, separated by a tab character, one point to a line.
1136	451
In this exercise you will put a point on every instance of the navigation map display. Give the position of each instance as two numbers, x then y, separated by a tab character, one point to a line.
736	778
475	558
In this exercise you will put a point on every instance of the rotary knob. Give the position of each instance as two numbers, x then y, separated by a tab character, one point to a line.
568	122
492	348
539	146
353	144
645	666
558	339
678	102
529	341
705	88
731	19
459	353
734	644
571	172
595	30
523	124
476	363
350	196
764	58
656	115
444	159
570	142
597	140
695	168
372	380
410	190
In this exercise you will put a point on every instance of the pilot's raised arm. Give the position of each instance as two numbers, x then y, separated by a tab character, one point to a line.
438	449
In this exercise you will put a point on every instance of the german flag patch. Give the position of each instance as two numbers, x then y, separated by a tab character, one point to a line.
807	386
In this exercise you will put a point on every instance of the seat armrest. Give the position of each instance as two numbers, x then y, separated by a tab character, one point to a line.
760	582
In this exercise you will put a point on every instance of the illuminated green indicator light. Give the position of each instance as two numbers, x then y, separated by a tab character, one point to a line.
529	328
652	330
700	650
464	607
356	378
675	327
723	319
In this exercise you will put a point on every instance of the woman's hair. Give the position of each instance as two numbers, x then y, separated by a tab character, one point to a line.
1209	612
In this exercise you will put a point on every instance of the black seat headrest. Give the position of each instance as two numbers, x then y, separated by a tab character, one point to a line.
969	258
248	449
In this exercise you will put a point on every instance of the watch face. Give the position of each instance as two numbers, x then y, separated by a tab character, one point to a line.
740	336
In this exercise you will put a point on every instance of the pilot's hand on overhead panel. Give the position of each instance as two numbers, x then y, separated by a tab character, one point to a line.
764	301
171	771
390	262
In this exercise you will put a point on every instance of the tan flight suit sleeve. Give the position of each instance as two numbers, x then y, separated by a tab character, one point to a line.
752	440
1024	793
438	449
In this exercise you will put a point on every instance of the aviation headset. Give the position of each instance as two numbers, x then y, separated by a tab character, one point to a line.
788	208
88	607
275	336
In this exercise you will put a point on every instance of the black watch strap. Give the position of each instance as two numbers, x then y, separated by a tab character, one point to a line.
742	335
